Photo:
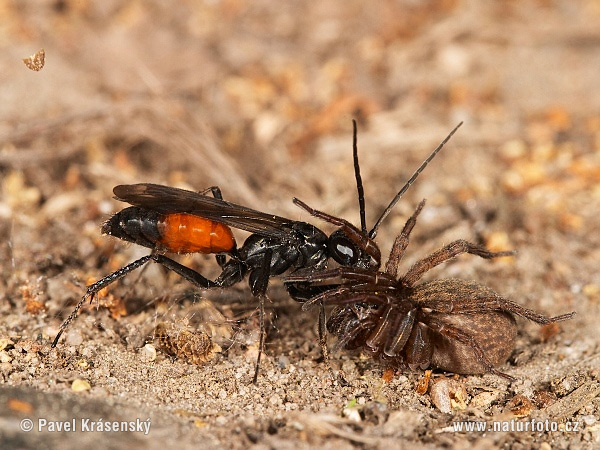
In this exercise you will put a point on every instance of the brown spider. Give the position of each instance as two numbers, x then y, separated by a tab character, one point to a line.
451	324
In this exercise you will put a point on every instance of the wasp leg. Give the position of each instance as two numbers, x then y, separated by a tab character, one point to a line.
185	272
190	275
97	286
323	339
259	281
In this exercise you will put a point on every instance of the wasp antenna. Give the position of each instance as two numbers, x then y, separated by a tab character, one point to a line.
359	184
410	181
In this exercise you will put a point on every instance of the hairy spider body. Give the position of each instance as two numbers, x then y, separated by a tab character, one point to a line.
451	324
381	330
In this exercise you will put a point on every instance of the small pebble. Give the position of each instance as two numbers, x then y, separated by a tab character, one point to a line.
5	357
283	362
402	379
80	385
74	338
6	368
148	352
352	414
448	395
5	342
589	420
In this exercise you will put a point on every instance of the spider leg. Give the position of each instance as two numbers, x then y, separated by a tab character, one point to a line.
401	242
459	297
343	274
347	324
348	334
419	347
379	333
444	254
498	303
346	296
401	328
515	308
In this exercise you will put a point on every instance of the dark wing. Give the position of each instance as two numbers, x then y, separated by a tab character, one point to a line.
170	200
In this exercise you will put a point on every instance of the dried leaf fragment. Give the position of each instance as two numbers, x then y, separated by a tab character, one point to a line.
423	383
519	406
193	346
36	61
388	375
32	305
543	399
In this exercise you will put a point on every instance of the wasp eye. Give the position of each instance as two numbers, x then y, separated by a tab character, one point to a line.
342	249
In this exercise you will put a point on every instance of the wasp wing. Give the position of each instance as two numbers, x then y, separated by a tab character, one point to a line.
170	200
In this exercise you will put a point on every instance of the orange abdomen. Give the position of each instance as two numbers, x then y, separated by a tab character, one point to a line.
185	233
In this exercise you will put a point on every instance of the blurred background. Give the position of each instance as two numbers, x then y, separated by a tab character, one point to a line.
258	97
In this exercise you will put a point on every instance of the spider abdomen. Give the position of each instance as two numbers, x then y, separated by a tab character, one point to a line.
466	322
493	331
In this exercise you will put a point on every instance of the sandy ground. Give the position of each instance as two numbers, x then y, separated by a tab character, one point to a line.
259	100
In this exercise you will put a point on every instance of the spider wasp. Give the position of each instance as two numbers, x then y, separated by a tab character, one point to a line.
172	220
